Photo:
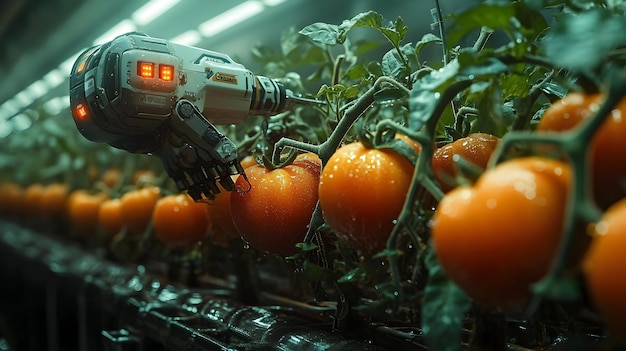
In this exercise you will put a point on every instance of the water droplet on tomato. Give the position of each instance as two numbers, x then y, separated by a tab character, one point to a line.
530	194
601	228
616	115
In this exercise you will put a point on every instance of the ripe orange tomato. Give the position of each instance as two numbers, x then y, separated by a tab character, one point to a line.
603	268
137	206
248	161
179	221
498	237
111	177
362	192
11	198
53	200
144	177
32	199
82	210
475	148
274	214
110	217
608	158
412	143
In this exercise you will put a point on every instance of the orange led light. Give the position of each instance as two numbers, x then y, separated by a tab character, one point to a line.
81	66
166	72
81	111
145	69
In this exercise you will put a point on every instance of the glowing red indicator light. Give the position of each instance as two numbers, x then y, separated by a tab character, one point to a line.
81	111
166	72
145	69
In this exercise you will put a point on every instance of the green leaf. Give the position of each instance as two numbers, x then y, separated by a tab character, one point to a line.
315	272
289	42
490	106
473	65
369	19
555	90
357	72
324	89
493	16
514	85
392	64
427	39
388	252
375	68
305	247
362	46
426	92
444	308
354	275
407	151
522	23
352	91
322	33
582	41
395	32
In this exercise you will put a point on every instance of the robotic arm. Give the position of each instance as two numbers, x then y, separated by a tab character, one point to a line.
148	95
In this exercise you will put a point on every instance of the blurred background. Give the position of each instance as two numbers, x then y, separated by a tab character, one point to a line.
40	39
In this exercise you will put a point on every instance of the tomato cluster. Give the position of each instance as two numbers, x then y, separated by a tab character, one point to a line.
608	160
102	210
498	237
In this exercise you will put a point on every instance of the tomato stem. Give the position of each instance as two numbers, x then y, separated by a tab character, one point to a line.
352	113
483	37
523	116
278	163
423	175
337	68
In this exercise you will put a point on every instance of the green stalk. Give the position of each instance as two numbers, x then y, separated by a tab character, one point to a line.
423	173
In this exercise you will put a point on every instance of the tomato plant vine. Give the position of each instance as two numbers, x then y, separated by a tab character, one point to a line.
501	88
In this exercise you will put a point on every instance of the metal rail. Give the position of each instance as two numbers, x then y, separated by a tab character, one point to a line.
59	296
